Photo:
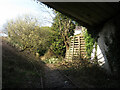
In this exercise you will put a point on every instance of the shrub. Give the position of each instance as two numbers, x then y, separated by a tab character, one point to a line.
89	42
26	34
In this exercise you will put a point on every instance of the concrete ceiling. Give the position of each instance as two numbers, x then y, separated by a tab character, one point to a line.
88	14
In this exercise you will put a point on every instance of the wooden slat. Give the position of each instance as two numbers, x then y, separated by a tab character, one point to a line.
82	45
83	53
82	50
82	40
76	54
76	49
76	42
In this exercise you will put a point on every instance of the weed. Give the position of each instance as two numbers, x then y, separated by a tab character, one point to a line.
52	60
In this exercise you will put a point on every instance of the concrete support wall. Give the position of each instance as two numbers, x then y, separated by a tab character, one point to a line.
105	33
99	54
108	36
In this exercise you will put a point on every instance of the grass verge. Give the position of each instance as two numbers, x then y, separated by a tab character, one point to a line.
17	69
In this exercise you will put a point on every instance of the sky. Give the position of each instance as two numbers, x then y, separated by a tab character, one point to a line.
10	9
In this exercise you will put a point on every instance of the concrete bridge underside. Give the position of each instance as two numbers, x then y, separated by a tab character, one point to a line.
103	20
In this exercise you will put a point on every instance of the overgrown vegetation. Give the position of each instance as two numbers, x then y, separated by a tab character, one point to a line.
19	69
25	33
64	28
88	75
53	60
89	42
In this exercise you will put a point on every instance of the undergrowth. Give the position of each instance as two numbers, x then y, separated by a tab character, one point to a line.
52	60
88	75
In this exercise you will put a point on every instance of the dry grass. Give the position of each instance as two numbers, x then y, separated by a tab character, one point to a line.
17	69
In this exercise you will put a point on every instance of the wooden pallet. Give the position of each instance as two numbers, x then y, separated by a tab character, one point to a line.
76	49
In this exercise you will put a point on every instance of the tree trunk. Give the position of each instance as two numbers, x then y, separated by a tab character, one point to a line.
67	45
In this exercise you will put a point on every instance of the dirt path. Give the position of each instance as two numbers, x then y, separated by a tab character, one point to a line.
54	79
21	69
